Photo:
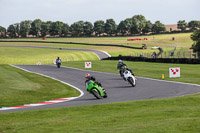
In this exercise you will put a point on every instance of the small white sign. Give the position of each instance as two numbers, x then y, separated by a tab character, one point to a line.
174	72
88	64
38	63
54	61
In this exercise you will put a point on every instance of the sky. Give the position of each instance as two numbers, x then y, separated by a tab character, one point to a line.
70	11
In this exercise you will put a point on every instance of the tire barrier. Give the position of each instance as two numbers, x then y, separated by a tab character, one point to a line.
158	60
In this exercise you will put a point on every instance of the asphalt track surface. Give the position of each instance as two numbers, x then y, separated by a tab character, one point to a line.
100	54
118	90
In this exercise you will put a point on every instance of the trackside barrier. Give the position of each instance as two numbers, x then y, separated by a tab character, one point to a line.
137	39
159	60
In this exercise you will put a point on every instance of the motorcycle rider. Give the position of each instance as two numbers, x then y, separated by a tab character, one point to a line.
120	66
58	61
88	77
126	68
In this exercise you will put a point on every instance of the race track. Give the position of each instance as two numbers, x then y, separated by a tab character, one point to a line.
118	90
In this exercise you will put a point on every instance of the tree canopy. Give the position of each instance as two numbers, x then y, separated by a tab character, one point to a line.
196	38
137	25
182	25
158	27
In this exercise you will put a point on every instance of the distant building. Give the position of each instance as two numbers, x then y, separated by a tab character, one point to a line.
171	27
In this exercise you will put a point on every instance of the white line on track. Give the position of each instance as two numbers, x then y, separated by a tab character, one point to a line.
106	53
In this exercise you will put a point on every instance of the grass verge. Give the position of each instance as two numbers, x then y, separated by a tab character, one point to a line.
172	115
18	87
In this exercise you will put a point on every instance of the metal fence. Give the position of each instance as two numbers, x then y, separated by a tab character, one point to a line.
177	54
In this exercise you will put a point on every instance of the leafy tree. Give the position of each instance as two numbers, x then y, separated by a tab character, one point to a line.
128	23
65	30
110	26
193	25
148	27
77	28
196	38
25	27
11	30
56	28
17	29
36	27
138	24
182	25
88	28
158	27
124	26
99	27
2	32
45	28
121	28
14	30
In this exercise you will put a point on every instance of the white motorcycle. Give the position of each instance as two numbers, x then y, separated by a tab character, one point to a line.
130	78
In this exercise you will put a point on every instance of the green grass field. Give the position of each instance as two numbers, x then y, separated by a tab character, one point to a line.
13	55
182	42
169	115
18	88
181	39
172	115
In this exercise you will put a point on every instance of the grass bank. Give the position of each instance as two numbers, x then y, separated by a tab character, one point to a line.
13	55
172	115
18	87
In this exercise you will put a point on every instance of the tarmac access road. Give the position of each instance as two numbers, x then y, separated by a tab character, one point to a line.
117	89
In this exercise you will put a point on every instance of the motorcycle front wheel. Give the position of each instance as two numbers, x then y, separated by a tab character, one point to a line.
131	81
96	94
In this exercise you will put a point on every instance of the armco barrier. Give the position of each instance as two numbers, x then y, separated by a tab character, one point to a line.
159	60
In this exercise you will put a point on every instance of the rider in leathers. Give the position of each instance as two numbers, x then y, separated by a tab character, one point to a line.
126	68
89	77
120	66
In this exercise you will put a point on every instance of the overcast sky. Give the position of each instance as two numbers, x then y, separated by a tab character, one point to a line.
70	11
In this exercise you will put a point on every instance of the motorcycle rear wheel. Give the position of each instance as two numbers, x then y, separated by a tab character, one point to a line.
105	95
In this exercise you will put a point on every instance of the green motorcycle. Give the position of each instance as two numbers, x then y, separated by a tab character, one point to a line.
96	89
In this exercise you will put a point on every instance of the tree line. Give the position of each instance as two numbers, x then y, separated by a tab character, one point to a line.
137	25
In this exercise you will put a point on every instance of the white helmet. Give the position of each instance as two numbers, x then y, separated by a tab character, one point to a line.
120	61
